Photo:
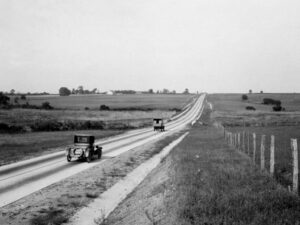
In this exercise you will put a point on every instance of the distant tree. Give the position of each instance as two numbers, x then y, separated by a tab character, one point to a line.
73	92
12	91
104	107
278	108
94	91
261	92
186	91
46	105
4	100
250	91
150	91
16	100
173	92
250	108
80	90
63	91
244	97
23	97
166	91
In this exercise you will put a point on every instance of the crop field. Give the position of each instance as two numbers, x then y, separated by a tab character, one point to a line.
138	101
230	111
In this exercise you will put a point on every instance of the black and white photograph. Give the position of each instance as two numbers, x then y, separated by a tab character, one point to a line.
161	112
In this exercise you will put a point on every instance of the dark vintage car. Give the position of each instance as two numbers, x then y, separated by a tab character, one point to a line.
83	148
158	124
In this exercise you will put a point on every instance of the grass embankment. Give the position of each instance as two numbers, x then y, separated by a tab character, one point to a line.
215	184
15	147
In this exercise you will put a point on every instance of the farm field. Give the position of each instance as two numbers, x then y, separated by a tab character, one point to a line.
15	147
138	101
230	111
27	133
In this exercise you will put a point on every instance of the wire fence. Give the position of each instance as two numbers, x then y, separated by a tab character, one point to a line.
263	152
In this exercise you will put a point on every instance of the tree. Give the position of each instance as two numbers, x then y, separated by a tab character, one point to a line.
80	90
63	91
261	92
166	91
150	91
12	91
23	97
250	91
186	91
244	97
4	100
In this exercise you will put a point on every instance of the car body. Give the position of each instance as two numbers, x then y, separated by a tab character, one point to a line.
83	148
158	124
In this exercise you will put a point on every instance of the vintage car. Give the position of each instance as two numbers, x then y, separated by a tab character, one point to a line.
158	124
83	148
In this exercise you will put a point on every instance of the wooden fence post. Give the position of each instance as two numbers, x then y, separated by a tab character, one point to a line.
262	152
248	148
254	147
272	155
295	165
239	142
244	148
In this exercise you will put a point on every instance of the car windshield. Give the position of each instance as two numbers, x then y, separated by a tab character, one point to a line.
80	139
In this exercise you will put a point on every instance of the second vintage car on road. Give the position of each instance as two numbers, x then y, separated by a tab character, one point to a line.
83	148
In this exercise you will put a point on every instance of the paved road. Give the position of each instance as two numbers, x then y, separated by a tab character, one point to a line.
20	179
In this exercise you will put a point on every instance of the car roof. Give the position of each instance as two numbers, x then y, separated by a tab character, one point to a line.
84	135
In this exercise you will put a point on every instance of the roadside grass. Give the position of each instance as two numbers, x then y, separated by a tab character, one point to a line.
16	147
229	110
142	101
283	152
215	184
51	216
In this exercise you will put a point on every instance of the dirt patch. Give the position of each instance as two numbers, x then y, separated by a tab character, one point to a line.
64	198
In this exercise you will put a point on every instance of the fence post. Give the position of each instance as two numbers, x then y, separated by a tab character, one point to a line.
248	148
295	165
262	152
272	155
254	146
239	141
244	148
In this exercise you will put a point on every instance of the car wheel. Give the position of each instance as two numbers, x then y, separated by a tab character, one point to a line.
99	153
69	158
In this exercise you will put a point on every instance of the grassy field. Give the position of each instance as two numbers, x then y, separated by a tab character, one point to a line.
15	147
141	101
26	117
215	184
230	111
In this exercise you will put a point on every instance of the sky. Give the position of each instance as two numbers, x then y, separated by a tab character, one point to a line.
203	45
